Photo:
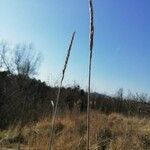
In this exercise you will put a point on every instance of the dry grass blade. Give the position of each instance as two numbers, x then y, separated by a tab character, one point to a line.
91	38
58	94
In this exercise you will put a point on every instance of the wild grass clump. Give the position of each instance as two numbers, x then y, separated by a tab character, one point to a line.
81	127
13	136
144	137
104	137
123	143
58	128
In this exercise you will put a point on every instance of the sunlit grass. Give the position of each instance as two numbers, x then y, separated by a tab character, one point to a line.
112	132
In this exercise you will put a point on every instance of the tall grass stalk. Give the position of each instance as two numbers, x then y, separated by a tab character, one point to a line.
91	38
58	94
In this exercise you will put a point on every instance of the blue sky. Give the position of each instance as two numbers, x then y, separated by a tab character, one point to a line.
121	49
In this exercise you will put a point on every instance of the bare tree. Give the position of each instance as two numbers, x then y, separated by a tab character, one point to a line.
142	97
4	56
119	94
21	59
26	60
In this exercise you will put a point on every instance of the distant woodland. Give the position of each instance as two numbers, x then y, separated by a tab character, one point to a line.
24	99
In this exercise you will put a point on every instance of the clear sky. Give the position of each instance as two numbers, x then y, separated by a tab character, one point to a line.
121	49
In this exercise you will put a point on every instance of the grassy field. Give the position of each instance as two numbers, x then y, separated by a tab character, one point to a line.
108	132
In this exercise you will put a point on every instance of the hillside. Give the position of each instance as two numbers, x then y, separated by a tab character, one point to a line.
25	100
26	109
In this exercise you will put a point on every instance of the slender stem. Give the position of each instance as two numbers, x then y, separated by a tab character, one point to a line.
58	94
91	37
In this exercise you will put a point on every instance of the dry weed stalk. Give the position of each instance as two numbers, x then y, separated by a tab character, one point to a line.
58	94
91	38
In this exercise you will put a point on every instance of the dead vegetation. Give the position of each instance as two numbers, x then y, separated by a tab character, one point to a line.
107	132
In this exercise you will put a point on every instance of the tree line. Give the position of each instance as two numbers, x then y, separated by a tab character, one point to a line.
24	99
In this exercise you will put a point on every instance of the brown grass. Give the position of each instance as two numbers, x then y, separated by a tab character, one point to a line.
108	132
